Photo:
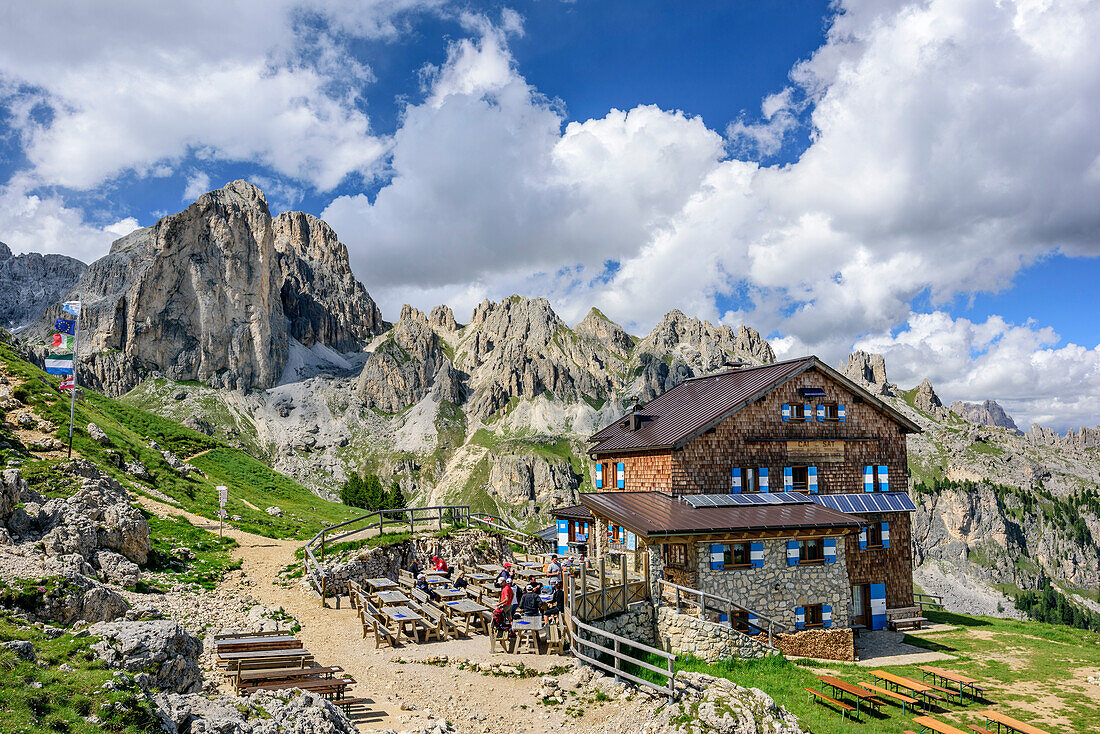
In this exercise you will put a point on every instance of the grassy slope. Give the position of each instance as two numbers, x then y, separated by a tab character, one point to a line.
130	429
1020	663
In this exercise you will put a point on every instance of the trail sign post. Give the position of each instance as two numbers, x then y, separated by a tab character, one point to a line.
223	495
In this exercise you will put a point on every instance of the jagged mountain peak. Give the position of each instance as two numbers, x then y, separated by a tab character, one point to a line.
987	413
599	328
443	318
5	251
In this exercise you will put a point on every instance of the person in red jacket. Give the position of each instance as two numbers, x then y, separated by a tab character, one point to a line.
508	599
440	567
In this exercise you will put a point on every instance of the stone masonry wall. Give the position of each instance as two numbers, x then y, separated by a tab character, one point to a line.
637	624
776	589
683	634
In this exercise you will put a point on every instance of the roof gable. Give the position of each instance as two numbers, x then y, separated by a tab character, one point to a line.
699	403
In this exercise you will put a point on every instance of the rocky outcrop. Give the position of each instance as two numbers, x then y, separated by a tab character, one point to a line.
529	484
30	282
869	370
719	705
1081	439
161	649
988	413
265	712
321	299
602	330
403	368
195	297
443	318
926	399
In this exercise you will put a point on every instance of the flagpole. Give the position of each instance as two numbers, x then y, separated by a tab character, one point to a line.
76	360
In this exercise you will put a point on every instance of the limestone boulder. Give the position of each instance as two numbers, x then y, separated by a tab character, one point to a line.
162	649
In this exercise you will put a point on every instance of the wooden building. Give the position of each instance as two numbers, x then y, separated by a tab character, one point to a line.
795	437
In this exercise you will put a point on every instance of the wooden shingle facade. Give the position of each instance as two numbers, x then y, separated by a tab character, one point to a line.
791	427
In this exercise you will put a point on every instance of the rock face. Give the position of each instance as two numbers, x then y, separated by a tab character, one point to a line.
1081	439
264	712
989	413
74	597
720	705
215	292
162	649
31	282
532	483
870	371
926	399
404	367
321	299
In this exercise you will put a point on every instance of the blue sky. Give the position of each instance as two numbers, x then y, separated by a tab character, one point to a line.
915	178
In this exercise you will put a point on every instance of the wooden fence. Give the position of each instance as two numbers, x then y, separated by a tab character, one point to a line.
681	596
612	659
595	596
380	520
928	601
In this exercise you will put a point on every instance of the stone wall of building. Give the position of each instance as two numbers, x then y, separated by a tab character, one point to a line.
683	634
775	589
637	624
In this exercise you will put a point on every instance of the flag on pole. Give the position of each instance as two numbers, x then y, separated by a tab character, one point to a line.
67	383
66	327
71	307
63	341
59	364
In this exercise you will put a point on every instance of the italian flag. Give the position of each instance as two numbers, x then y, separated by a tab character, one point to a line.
63	341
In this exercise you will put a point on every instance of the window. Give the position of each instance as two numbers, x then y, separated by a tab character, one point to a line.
874	535
732	555
676	555
814	617
811	550
800	479
750	480
739	620
832	412
798	411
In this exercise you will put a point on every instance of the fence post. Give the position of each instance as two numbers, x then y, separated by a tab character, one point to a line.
322	544
381	515
603	587
441	519
618	660
323	592
770	635
623	576
677	599
411	513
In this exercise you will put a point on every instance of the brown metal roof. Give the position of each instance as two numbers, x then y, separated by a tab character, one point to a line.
573	512
655	514
681	413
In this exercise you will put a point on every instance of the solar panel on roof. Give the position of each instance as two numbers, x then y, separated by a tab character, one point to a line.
698	501
868	502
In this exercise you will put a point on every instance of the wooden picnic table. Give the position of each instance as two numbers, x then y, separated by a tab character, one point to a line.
327	687
469	610
529	626
859	694
386	598
433	579
298	652
403	616
899	697
1010	723
927	723
448	592
381	583
529	573
900	681
242	644
962	681
490	568
281	674
481	577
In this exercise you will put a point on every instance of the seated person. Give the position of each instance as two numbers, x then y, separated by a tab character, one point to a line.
556	605
530	604
422	584
440	567
460	581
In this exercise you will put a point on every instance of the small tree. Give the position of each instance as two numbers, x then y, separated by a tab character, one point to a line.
395	498
351	493
373	495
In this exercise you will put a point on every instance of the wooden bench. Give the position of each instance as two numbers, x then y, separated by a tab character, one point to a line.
444	625
978	729
907	622
927	722
844	708
346	704
372	621
905	700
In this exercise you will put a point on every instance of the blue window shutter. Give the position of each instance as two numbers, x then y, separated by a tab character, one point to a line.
808	411
863	538
735	480
763	479
883	479
826	615
885	535
800	618
599	476
631	544
868	479
841	413
756	554
811	473
792	552
830	550
788	478
722	617
754	622
821	414
717	557
620	476
878	606
786	411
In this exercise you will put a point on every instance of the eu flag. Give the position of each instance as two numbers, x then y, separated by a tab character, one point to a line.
66	327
